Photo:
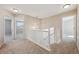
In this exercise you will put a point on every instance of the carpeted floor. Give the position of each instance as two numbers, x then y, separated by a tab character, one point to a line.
22	47
28	47
64	48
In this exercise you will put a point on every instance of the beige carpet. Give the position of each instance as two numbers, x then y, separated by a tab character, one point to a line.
64	48
28	47
22	47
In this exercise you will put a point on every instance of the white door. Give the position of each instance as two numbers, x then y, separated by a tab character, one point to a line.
68	28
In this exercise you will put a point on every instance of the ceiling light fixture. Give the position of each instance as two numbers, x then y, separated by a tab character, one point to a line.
66	6
15	10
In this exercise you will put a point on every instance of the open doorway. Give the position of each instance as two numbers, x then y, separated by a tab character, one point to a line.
8	34
19	29
13	29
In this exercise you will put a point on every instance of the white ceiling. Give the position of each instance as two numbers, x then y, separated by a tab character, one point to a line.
38	10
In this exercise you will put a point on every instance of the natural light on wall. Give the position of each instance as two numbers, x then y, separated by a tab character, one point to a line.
35	26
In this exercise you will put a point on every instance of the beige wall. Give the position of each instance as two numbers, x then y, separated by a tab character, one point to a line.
3	13
78	26
29	23
56	22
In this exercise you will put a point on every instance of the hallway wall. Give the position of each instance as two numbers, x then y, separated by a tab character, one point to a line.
3	13
29	23
78	27
56	22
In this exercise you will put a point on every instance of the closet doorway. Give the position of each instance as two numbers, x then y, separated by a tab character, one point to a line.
8	29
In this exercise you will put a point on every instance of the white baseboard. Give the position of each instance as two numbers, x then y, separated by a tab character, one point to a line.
48	49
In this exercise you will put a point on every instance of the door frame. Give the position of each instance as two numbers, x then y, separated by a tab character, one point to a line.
74	27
